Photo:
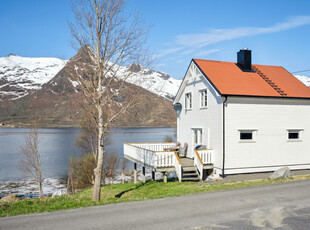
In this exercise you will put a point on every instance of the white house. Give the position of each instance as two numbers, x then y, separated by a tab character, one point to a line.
247	118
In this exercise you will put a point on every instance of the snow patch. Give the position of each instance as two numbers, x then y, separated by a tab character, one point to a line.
29	73
304	79
74	83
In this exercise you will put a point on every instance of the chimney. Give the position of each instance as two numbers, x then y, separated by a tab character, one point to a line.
244	59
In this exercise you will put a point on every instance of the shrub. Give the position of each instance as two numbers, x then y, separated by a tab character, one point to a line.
168	139
81	172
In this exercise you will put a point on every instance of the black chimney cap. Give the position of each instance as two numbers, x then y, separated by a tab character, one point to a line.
244	59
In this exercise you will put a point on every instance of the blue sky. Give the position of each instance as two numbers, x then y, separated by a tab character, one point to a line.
277	32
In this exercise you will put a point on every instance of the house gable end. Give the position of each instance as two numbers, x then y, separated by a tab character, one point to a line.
207	78
193	71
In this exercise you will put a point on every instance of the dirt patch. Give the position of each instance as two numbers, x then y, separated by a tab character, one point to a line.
10	198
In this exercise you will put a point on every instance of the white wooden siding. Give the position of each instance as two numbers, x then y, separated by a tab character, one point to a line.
209	118
271	117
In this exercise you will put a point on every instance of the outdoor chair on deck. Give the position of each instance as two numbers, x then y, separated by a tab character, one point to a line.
183	151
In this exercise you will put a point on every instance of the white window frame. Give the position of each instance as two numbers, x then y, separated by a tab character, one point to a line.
254	133
197	136
203	95
300	134
188	101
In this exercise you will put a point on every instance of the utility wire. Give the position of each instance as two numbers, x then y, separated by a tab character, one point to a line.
306	70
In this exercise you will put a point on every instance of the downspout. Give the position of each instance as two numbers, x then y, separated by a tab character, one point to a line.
224	136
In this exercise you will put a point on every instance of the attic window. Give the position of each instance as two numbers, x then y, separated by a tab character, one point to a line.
188	101
203	98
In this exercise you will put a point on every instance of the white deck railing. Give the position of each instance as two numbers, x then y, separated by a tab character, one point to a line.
178	166
201	158
198	163
150	157
157	147
158	155
206	156
141	155
165	159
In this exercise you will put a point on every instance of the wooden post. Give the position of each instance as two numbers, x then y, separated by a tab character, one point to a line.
153	175
165	177
143	172
135	173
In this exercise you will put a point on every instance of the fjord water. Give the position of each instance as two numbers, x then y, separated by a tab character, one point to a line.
56	146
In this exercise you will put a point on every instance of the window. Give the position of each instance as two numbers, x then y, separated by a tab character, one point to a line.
247	135
294	134
203	98
188	101
197	137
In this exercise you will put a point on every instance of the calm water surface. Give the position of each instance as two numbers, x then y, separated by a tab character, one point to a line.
57	145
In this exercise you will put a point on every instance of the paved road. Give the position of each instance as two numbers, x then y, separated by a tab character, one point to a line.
282	206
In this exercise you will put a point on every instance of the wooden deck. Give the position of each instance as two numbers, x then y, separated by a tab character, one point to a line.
162	157
186	162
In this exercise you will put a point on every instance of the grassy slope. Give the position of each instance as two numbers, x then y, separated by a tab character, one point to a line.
125	193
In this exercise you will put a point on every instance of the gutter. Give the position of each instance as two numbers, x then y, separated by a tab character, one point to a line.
223	168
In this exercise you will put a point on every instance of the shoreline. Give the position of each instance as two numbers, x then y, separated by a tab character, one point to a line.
28	188
79	127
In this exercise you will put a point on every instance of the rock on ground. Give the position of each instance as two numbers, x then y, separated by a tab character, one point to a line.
281	173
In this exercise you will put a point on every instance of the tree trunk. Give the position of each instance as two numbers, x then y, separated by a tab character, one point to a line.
98	169
123	177
40	187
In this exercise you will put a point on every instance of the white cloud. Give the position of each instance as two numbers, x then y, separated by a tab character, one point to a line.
185	44
167	51
160	65
217	35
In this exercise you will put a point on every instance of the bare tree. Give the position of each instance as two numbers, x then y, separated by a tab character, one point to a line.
111	166
30	162
111	39
124	168
88	138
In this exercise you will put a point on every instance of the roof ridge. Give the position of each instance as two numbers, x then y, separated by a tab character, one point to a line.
198	59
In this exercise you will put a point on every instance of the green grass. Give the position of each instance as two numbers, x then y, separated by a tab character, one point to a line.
126	193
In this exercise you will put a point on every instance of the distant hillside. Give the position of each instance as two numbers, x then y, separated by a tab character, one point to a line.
28	87
20	75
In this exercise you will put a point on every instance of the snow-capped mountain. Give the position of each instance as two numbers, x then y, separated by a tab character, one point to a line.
154	81
58	98
19	75
303	79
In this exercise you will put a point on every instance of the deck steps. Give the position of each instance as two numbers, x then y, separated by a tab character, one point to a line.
189	171
188	168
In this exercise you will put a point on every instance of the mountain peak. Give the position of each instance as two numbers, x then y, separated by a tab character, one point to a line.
11	55
135	68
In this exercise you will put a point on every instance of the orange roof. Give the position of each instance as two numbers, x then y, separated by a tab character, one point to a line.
272	81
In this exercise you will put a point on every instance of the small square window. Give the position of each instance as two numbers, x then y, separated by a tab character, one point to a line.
246	136
294	134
